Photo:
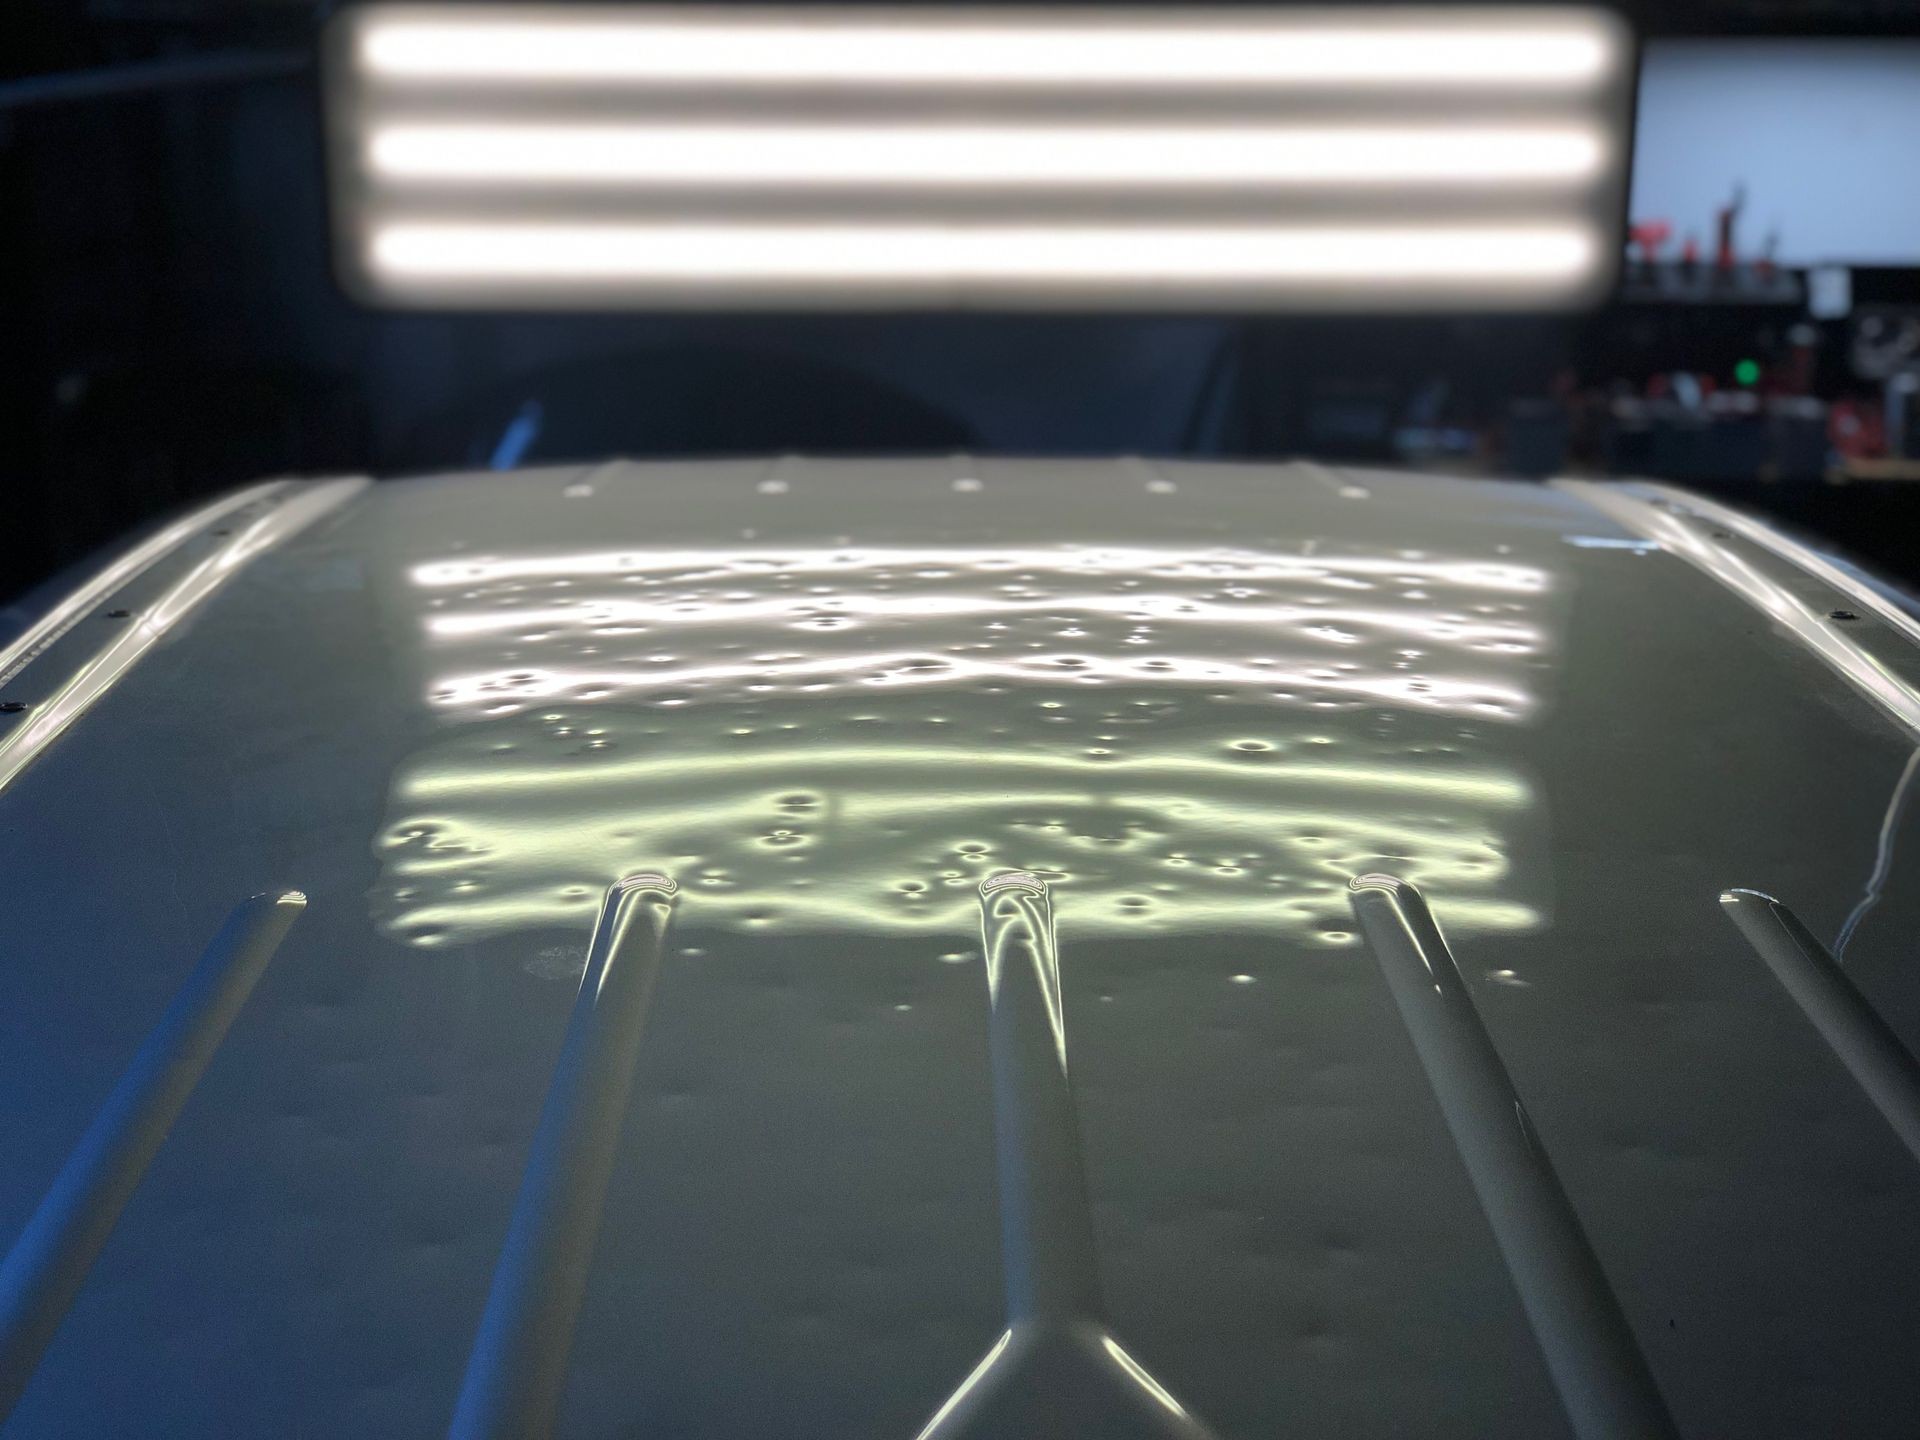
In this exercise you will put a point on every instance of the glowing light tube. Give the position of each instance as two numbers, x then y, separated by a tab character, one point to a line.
988	48
928	156
832	255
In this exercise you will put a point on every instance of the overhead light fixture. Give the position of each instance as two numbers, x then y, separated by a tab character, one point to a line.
947	157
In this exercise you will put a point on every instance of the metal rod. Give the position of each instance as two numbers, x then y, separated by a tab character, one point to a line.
1865	1044
1056	1369
49	1262
146	77
1046	1222
518	1367
1597	1368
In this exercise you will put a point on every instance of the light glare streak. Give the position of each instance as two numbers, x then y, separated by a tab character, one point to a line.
1306	620
915	762
1121	561
915	668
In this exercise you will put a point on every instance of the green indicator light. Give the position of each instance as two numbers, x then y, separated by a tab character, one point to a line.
1747	372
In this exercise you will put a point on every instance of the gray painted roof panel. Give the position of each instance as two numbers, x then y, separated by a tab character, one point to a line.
829	698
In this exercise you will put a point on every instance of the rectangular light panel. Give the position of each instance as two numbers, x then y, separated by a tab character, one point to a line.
731	157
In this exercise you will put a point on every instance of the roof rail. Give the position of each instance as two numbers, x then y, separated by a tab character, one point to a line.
293	508
518	1367
1603	1381
1781	578
1863	1041
1843	578
49	1262
1057	1349
129	565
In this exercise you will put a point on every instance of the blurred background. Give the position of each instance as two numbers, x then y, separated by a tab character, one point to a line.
170	325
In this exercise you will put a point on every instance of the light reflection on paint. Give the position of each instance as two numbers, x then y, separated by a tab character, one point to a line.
1612	542
967	1386
1141	1378
1177	738
723	610
1127	561
503	687
1431	779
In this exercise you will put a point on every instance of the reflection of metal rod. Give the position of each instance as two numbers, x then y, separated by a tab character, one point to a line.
144	77
1590	1352
519	1360
1056	1368
50	1260
1869	1049
1883	857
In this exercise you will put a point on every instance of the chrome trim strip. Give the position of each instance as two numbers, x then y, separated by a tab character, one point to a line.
1864	1042
49	1262
1680	530
518	1366
17	655
48	718
1597	1368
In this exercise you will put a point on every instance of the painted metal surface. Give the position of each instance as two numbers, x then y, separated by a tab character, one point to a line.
829	699
48	1263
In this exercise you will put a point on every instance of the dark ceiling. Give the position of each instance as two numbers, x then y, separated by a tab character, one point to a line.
1653	17
173	327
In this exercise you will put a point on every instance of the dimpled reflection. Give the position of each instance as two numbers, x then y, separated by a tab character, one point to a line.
1176	739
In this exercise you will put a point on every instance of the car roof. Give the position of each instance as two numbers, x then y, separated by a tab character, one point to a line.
822	702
